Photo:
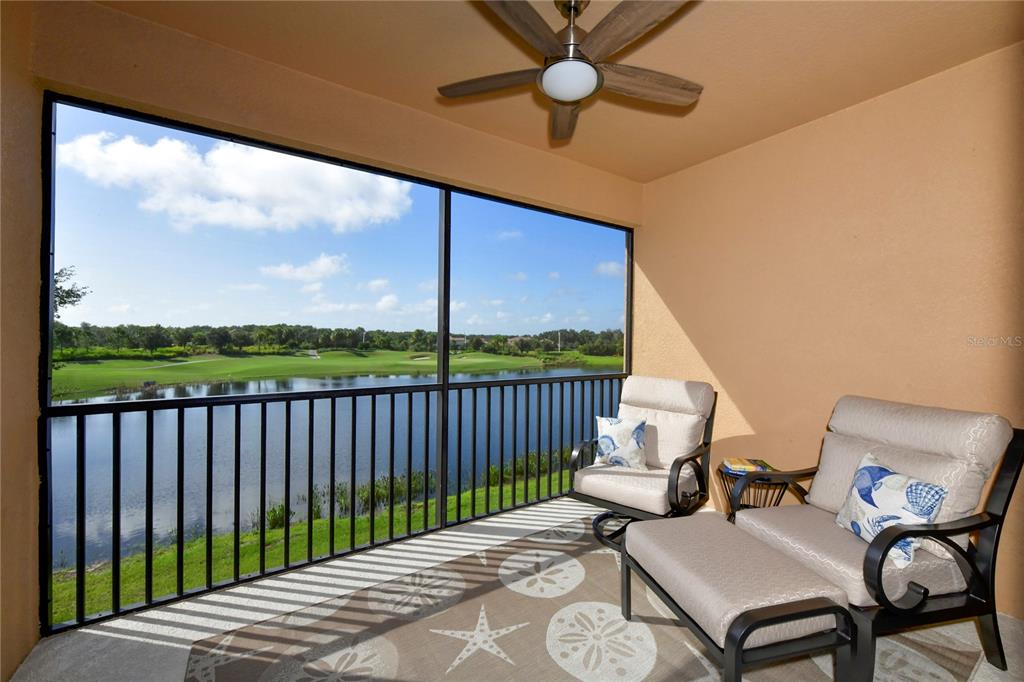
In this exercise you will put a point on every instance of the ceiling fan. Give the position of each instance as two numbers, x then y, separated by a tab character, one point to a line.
574	67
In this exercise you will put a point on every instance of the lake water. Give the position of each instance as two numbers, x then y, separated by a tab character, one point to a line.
133	437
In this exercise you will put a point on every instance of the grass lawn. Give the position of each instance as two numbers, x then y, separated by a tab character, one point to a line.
84	379
98	577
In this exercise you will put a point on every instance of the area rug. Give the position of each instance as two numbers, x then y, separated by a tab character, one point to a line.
545	607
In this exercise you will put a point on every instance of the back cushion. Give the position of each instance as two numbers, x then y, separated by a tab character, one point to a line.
676	412
957	450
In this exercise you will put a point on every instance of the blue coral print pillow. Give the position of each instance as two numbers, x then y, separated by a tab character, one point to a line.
880	497
620	443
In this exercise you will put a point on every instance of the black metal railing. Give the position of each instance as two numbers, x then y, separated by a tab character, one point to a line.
162	499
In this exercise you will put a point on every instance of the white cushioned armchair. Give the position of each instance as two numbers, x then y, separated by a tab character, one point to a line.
680	419
950	577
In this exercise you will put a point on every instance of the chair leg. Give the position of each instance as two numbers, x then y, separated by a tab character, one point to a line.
864	651
733	663
843	668
626	596
991	642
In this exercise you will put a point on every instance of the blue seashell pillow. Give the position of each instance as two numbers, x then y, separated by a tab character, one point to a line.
620	443
880	497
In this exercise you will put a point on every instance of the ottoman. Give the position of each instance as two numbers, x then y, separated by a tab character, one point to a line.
747	602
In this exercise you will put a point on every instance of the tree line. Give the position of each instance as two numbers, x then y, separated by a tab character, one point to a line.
95	341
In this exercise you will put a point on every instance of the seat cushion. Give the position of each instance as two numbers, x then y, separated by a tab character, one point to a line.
676	413
811	536
714	572
646	490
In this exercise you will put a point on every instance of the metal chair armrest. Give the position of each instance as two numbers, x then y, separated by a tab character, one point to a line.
694	500
914	599
579	453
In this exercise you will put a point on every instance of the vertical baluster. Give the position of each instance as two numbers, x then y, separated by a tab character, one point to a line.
472	510
515	438
426	457
501	450
236	509
80	518
593	415
526	443
181	501
287	481
604	407
373	467
487	445
209	496
115	511
352	481
149	507
561	436
331	482
391	467
408	463
458	455
309	481
537	472
263	488
551	445
572	414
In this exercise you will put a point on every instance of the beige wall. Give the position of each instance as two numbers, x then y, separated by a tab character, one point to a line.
854	254
92	51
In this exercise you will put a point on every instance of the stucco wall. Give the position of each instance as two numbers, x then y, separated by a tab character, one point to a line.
855	254
92	51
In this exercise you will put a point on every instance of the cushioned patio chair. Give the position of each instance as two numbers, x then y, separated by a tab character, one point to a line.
680	418
952	575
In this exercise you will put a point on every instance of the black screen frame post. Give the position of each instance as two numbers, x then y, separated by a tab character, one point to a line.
444	290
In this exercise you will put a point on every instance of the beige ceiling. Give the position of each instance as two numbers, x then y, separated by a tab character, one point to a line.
765	66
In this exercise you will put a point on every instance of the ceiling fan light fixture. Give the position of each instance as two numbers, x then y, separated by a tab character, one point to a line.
570	80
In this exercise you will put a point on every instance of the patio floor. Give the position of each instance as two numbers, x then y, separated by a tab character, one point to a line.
155	644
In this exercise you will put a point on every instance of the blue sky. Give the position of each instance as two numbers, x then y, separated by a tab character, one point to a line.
177	229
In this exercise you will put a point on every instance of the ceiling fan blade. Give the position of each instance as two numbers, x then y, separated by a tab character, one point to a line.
563	120
497	81
653	86
522	18
625	23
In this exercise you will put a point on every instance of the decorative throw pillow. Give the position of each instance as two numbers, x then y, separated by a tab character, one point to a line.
880	497
620	442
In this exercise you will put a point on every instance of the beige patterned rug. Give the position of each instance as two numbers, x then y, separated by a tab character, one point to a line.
544	607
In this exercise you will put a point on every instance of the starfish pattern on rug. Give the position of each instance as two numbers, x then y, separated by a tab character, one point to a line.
481	638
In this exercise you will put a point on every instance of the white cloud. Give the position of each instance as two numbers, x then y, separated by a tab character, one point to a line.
120	308
456	306
501	314
322	305
386	303
609	268
321	267
234	185
542	319
379	284
248	286
505	235
474	320
312	287
493	302
427	285
519	276
554	274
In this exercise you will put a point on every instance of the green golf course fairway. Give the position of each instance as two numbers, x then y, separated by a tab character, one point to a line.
86	379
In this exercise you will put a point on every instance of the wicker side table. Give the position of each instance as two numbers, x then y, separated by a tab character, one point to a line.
760	493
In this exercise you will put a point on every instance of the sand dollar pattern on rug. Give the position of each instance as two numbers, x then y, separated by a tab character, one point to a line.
591	640
541	573
562	535
417	595
351	656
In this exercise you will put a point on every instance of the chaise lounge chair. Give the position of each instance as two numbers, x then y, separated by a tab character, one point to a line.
951	576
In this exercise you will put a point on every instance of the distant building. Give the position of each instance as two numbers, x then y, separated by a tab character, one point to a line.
457	342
